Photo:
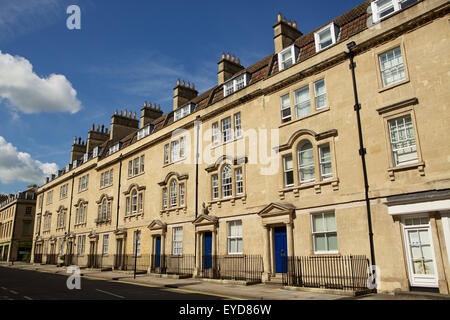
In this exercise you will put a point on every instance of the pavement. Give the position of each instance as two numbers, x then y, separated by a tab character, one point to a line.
216	289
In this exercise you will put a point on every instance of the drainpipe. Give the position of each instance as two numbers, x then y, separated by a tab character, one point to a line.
362	151
70	214
118	191
197	155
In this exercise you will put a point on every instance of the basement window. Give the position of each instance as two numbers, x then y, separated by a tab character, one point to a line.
145	131
326	37
287	57
384	8
236	84
183	111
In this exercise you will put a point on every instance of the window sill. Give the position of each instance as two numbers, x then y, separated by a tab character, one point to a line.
105	187
226	142
101	221
420	166
134	215
136	175
316	185
176	210
81	191
327	253
394	85
174	162
322	110
233	199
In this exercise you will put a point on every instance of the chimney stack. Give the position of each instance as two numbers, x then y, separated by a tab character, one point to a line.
183	93
228	66
149	113
122	125
96	137
285	33
78	149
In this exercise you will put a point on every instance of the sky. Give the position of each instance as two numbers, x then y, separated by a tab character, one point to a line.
56	82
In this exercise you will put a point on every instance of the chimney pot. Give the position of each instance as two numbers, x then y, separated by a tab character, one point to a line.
103	128
279	17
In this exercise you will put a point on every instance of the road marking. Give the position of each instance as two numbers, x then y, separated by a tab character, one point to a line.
28	298
4	288
112	294
13	292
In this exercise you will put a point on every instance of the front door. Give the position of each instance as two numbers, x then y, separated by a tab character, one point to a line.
207	250
91	258
280	243
420	252
158	252
119	258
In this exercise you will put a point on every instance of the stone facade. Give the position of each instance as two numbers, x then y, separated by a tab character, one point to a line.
261	207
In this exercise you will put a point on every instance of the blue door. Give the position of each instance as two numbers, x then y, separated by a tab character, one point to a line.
207	250
281	253
158	252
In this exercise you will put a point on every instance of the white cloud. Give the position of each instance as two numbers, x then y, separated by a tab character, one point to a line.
29	93
18	166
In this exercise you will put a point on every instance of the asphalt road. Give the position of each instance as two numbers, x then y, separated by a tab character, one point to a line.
16	284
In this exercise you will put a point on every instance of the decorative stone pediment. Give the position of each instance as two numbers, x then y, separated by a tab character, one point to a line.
227	159
157	227
61	209
277	213
80	202
120	233
132	186
302	132
179	177
206	223
104	196
93	236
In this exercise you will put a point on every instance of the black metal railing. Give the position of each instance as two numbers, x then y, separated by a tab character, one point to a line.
128	261
51	259
239	267
173	264
37	258
330	272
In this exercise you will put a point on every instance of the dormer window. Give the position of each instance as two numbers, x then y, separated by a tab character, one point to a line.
287	57
326	37
114	148
384	8
74	164
183	111
85	157
236	84
145	132
68	168
95	152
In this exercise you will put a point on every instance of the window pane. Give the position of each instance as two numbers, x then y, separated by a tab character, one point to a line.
306	162
302	102
318	223
285	107
391	66
332	241
320	243
321	94
403	142
330	221
226	129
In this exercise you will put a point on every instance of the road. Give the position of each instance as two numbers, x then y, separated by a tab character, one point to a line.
16	284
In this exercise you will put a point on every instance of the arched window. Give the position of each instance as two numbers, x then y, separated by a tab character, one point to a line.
306	162
104	204
173	193
134	201
226	181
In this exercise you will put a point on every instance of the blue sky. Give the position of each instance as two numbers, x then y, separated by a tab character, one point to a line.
126	52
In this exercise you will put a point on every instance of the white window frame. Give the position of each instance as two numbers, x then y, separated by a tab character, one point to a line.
231	86
237	238
396	4
288	107
333	28
173	193
299	105
105	248
166	153
227	186
239	180
314	233
237	125
383	72
395	161
182	194
226	132
281	63
286	171
323	94
177	241
215	186
322	163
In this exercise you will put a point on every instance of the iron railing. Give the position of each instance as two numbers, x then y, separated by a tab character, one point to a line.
173	264
37	258
229	267
331	272
127	262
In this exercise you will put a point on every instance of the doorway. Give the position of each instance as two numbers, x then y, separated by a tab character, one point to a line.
207	250
280	249
420	252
